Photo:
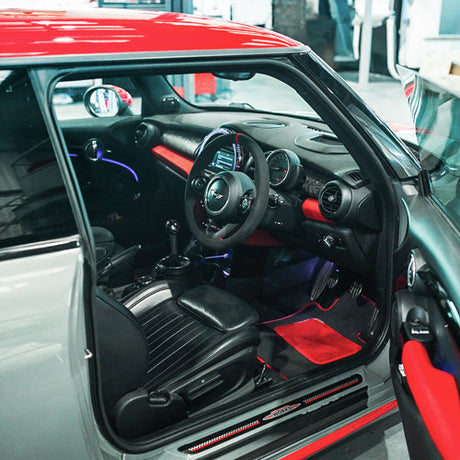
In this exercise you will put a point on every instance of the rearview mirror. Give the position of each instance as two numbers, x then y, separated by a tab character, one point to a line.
234	76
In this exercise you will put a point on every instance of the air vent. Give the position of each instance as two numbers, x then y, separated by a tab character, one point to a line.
355	179
355	176
147	135
334	200
331	199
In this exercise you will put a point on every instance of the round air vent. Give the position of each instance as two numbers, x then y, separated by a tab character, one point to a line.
334	200
147	135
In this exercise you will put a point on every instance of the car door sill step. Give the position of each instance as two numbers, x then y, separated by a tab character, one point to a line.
268	416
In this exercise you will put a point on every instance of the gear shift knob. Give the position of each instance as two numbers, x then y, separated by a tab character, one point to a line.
174	264
172	227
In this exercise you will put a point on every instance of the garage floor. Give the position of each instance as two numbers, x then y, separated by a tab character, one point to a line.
386	97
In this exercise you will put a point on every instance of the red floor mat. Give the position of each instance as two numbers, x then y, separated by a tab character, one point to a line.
317	341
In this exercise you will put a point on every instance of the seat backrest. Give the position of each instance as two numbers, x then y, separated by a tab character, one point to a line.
121	348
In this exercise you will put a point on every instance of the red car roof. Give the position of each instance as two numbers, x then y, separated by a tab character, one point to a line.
35	34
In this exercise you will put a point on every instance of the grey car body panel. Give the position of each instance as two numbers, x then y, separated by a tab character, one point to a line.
46	409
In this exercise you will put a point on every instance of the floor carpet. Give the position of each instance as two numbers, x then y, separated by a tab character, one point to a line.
313	335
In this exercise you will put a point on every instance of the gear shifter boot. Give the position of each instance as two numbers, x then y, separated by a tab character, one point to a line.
174	264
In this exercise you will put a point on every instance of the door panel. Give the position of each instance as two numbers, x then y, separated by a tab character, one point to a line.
425	356
46	409
436	394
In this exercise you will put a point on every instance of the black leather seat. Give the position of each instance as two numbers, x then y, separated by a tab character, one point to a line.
168	353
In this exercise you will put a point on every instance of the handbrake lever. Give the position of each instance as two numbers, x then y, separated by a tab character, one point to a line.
117	261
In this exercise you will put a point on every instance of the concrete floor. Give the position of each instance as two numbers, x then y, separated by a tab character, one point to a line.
386	97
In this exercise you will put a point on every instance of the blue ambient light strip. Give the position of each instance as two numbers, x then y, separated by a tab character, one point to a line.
118	163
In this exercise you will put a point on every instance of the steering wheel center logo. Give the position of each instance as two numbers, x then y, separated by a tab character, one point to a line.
216	195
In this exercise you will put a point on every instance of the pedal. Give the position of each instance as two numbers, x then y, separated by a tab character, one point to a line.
321	280
356	289
333	280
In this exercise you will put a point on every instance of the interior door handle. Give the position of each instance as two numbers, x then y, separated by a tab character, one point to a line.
436	394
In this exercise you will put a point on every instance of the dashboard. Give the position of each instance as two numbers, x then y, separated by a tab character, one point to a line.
318	198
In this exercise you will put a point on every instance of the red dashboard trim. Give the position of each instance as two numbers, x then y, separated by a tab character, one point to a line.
310	209
178	162
263	238
436	395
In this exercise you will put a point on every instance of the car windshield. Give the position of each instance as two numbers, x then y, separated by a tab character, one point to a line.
436	112
243	90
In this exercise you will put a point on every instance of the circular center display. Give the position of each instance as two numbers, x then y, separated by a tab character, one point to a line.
216	195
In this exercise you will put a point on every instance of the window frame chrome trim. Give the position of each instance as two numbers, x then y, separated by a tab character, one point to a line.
40	247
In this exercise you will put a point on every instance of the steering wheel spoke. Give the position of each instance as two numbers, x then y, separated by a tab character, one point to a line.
226	231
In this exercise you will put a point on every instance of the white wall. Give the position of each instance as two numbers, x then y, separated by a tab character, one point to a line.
422	22
48	4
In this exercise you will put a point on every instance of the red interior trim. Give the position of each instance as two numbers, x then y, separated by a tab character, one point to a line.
178	162
327	308
302	309
288	316
436	395
263	238
271	368
358	336
310	209
334	390
341	433
400	283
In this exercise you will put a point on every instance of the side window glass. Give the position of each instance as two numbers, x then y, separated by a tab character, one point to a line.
34	205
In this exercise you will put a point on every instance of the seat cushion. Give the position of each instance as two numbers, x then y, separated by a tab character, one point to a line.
217	308
182	340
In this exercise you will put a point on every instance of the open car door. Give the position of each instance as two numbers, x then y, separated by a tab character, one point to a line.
425	356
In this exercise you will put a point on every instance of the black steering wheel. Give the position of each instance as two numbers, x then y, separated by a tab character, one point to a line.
225	209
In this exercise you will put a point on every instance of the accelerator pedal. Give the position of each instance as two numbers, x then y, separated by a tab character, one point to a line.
356	289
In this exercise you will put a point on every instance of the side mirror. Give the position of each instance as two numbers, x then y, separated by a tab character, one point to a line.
106	100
